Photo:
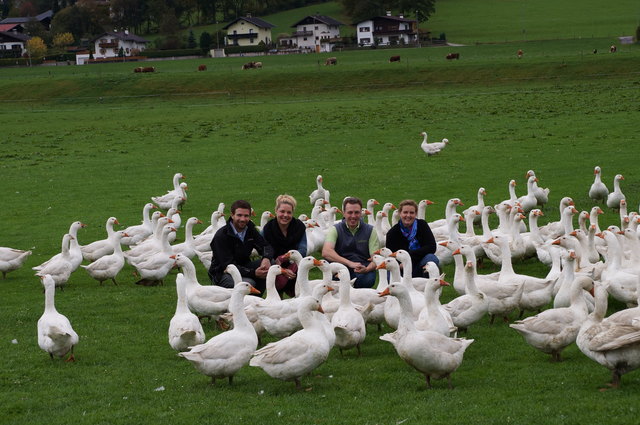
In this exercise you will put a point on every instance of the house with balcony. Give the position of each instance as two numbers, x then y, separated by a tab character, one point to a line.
387	31
108	45
248	31
13	44
314	33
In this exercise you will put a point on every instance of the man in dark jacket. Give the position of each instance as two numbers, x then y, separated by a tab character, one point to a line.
233	244
414	236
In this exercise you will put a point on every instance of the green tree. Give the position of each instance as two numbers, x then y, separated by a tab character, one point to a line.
205	41
191	41
359	10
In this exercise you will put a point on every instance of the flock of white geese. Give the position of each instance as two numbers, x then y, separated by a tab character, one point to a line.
587	264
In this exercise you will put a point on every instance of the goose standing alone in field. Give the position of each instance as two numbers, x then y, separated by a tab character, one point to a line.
299	354
430	353
164	201
598	191
55	334
614	198
432	148
12	259
226	353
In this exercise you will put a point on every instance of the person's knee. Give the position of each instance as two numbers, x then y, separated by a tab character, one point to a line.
226	281
365	280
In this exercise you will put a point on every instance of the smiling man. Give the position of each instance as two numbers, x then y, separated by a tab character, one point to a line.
233	244
352	242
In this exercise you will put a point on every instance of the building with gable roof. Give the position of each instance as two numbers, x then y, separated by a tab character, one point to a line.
387	31
108	44
248	31
317	33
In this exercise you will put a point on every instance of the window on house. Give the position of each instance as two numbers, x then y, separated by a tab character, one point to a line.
365	29
365	40
251	40
316	28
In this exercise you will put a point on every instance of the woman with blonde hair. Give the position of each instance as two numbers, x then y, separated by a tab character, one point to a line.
285	233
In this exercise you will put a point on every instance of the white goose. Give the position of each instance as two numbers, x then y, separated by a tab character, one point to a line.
226	353
165	200
392	309
469	308
382	235
433	316
319	192
422	208
185	329
432	354
188	247
203	239
55	334
556	229
429	148
614	198
529	201
141	231
154	268
371	204
386	224
553	330
108	266
75	254
12	259
209	300
97	249
478	207
151	245
542	195
615	342
297	355
60	267
347	322
598	190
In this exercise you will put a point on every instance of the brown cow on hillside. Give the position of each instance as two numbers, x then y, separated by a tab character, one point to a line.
202	67
249	65
613	48
394	58
331	61
144	69
257	65
520	53
451	56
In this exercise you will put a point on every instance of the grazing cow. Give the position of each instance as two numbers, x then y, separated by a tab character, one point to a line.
257	65
451	56
613	48
394	58
249	65
520	53
144	69
202	67
331	61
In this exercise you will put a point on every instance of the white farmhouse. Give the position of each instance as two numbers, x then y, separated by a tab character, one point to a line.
248	31
108	45
315	33
387	31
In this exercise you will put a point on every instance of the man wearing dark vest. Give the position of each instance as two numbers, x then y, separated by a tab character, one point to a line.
352	242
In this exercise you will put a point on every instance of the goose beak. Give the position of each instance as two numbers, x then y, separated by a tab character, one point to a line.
381	266
456	252
317	262
253	290
385	292
444	283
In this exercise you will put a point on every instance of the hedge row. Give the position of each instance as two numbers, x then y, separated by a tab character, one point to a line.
170	53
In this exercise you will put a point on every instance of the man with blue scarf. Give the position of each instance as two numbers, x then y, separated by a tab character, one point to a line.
414	236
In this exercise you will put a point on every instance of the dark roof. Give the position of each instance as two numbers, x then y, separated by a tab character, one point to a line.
318	18
24	19
122	36
13	35
255	21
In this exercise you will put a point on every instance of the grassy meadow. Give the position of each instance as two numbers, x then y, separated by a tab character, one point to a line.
86	143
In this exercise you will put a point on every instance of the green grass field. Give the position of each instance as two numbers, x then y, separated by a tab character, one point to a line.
86	143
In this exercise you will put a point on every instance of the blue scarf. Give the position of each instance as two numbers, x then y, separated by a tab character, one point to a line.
410	234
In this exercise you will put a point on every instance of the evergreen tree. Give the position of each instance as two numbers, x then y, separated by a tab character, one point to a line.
205	41
191	41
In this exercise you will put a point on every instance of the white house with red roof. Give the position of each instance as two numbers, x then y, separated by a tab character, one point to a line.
108	45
